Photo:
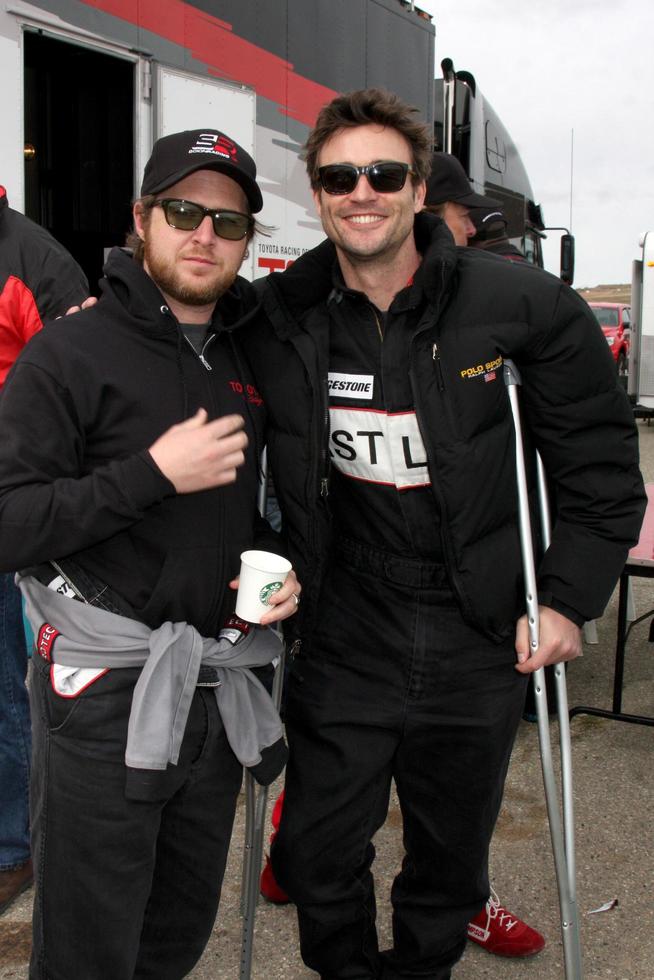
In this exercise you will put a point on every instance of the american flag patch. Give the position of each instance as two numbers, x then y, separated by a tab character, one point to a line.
490	376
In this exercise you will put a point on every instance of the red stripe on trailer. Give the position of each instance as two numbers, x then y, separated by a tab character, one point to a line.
226	55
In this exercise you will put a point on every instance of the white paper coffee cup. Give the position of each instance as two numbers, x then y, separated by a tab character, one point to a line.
262	574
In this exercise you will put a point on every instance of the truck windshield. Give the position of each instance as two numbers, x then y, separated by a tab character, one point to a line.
605	316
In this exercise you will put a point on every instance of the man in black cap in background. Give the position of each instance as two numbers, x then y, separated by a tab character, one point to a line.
450	196
128	480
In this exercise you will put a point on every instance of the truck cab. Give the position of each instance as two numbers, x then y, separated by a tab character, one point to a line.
615	321
467	126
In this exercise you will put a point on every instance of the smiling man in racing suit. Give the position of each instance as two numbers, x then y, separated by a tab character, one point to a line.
392	450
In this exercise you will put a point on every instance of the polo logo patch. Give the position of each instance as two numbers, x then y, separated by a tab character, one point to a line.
45	641
487	370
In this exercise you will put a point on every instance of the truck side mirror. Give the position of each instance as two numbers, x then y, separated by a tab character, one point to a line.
567	258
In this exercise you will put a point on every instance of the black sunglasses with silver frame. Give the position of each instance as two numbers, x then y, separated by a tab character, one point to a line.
385	177
187	216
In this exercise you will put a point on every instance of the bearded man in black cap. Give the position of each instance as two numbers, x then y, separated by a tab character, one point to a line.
128	481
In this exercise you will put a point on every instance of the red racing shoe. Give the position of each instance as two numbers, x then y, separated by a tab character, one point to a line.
270	889
502	933
268	886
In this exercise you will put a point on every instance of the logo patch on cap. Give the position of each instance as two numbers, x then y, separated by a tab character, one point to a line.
216	143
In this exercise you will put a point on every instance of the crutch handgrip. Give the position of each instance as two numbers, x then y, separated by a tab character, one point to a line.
512	379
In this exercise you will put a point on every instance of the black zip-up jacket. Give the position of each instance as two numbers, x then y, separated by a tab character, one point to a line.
80	407
466	311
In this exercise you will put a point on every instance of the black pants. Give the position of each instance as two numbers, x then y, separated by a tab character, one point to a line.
395	687
125	889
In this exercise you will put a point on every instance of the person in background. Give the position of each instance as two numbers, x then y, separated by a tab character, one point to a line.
491	234
39	280
411	653
450	197
129	461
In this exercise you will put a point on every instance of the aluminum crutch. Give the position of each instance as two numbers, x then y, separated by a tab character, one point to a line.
563	845
255	806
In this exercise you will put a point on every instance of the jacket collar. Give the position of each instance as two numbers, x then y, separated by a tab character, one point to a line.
126	283
315	276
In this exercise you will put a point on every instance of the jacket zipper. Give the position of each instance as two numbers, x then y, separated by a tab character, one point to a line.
436	357
445	537
324	449
378	324
200	355
166	310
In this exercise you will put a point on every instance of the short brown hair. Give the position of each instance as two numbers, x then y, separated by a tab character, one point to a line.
362	108
438	209
134	240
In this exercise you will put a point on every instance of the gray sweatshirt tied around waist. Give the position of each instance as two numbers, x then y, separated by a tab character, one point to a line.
170	657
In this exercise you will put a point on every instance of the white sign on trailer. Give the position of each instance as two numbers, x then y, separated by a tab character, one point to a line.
641	363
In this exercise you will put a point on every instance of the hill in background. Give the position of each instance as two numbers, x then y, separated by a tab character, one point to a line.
607	294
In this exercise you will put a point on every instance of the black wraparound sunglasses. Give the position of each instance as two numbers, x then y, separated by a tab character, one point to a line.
187	216
385	177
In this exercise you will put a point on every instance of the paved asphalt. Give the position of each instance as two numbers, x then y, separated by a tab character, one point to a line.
614	801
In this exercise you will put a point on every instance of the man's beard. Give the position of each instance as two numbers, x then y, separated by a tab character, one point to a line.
200	292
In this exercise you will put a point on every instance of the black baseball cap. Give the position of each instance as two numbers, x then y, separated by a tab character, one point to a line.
489	222
448	182
180	154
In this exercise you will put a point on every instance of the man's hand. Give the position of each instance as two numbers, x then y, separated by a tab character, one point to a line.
86	305
199	455
559	640
283	603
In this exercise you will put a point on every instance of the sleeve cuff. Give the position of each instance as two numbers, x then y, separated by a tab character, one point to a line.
547	599
144	481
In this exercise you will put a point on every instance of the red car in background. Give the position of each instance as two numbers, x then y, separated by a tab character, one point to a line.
615	321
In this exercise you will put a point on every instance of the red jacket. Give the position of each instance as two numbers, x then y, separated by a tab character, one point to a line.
39	280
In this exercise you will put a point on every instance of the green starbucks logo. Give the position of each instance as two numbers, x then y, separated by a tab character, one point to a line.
268	590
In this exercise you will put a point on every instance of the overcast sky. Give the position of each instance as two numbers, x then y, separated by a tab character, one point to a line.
550	67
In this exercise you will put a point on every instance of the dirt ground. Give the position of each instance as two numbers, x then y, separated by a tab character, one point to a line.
613	803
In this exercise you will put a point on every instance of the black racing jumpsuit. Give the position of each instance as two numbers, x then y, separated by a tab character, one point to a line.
400	688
